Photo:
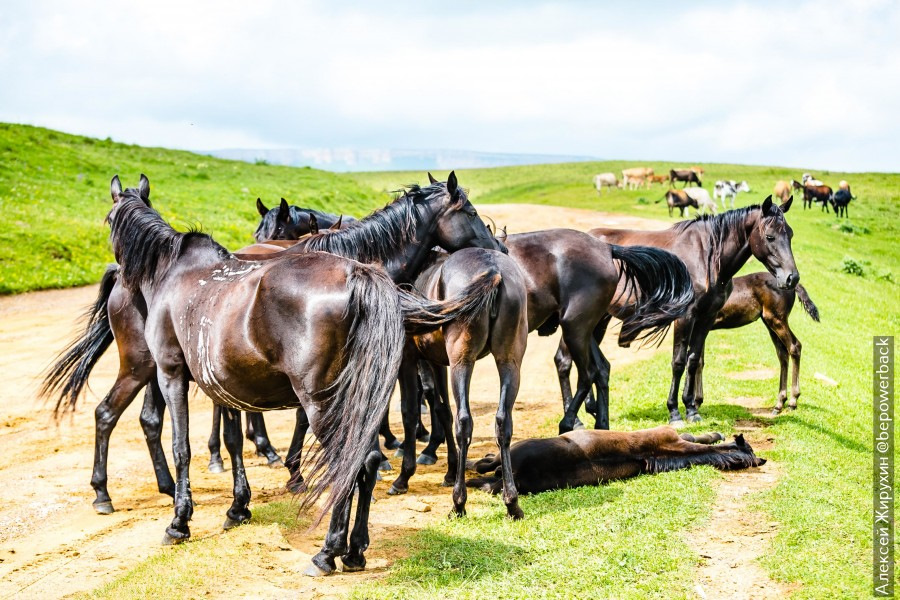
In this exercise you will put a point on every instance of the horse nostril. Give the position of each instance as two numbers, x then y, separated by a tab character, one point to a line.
793	279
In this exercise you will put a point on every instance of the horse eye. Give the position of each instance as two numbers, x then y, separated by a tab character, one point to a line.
770	237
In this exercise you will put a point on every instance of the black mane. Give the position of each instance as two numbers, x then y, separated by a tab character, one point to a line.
143	243
377	237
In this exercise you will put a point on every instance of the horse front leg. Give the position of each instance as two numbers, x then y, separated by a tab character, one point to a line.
238	513
782	353
694	361
295	482
215	443
795	350
681	334
409	408
503	428
151	422
354	559
173	382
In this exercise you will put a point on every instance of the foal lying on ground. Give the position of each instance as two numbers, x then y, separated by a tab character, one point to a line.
591	457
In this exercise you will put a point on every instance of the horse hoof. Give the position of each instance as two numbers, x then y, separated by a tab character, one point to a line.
392	445
232	523
398	453
296	488
385	466
776	411
313	570
353	565
104	508
378	476
216	467
172	537
694	418
395	491
516	514
426	459
677	423
277	463
457	513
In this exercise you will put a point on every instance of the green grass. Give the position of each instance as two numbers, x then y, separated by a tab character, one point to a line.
54	195
623	540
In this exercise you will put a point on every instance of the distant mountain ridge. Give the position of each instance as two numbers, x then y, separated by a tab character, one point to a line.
343	160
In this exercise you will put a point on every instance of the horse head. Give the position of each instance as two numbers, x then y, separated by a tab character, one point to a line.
770	243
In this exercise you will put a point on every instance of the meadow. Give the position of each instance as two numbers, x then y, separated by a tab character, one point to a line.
625	540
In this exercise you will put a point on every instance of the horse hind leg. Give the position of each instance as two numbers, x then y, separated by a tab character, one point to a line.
794	349
295	482
354	559
781	350
563	361
215	443
238	513
509	388
703	438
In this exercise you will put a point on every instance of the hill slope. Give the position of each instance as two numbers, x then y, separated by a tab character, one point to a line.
54	195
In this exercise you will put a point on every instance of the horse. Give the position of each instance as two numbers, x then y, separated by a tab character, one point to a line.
571	280
816	193
714	248
685	175
680	200
435	215
292	222
782	190
731	188
758	295
584	458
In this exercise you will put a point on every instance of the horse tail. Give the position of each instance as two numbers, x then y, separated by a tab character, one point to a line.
358	398
662	286
725	457
421	315
811	309
69	374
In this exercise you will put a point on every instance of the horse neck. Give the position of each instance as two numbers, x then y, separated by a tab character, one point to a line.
735	250
411	258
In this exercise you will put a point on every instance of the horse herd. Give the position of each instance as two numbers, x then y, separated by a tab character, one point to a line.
325	314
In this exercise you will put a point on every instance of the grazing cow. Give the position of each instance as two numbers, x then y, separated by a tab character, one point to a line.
593	457
782	190
840	201
685	175
660	179
680	200
731	188
701	197
635	177
607	180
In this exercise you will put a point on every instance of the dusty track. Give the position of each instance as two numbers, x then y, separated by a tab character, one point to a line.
53	544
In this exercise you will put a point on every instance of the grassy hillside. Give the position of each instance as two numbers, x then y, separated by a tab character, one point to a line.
54	195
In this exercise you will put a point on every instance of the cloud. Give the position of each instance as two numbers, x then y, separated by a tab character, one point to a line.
755	82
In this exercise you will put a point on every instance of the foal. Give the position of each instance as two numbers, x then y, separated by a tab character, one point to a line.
592	457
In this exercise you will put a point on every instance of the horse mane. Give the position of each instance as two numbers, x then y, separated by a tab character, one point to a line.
375	238
145	246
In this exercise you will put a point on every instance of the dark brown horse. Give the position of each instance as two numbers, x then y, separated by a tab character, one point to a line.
757	296
581	458
816	193
685	175
714	248
292	222
500	329
680	200
572	280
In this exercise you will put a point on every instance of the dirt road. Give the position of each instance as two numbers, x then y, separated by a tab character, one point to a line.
52	543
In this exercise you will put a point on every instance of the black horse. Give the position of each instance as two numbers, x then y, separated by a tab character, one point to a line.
293	222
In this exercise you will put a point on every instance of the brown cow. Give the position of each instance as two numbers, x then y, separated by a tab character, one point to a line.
635	177
680	200
782	190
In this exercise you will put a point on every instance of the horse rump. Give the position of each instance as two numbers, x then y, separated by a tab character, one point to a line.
422	315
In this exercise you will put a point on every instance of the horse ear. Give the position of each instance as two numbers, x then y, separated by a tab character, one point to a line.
313	223
767	205
490	230
144	188
452	184
787	205
115	188
337	224
284	211
431	178
261	208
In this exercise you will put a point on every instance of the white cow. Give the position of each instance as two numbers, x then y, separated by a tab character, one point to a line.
729	188
605	180
701	196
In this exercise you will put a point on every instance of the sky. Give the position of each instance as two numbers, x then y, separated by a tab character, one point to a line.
813	84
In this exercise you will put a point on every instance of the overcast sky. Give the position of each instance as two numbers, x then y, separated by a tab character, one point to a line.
812	84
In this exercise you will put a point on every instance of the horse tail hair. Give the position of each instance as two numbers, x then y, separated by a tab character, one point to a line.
359	396
421	315
68	376
662	288
811	309
725	457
